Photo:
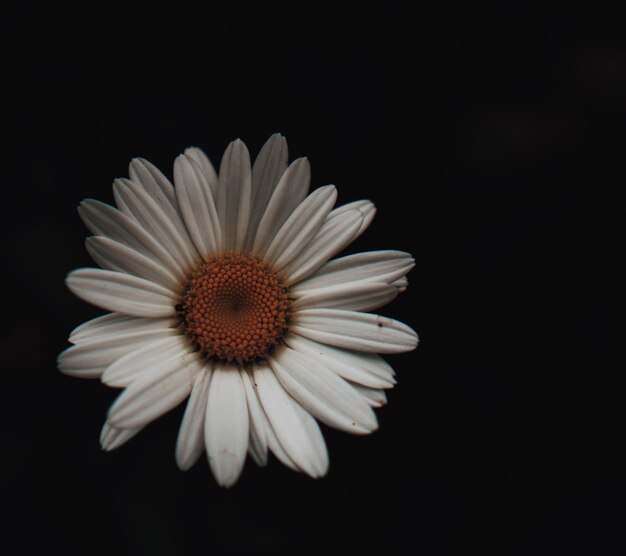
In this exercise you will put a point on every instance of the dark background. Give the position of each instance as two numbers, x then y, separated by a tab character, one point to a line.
491	138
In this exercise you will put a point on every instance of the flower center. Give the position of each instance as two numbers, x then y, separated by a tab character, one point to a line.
234	307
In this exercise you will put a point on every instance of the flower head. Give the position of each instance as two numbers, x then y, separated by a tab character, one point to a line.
221	288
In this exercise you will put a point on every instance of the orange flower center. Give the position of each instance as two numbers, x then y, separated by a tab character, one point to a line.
234	307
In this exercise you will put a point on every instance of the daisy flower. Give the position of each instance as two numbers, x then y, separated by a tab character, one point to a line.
221	288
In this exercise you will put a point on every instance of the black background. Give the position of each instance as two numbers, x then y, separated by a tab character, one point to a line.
491	138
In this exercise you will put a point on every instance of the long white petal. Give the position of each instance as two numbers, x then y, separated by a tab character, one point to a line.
366	208
322	393
234	194
112	438
268	167
375	398
401	284
162	191
226	428
314	434
256	449
116	291
258	432
132	365
256	452
105	220
334	236
190	442
288	194
300	228
277	449
154	393
296	431
101	324
359	296
352	330
199	156
146	174
373	266
151	216
91	357
368	369
197	205
111	255
116	324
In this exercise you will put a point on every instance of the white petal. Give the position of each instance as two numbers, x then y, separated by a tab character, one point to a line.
296	430
155	183
190	442
359	296
289	193
154	393
112	438
91	357
300	228
234	194
276	448
322	393
143	359
116	291
258	434
257	451
149	214
375	398
196	203
333	236
366	208
101	323
269	166
210	175
116	324
122	204
162	191
368	369
401	284
226	428
111	255
104	220
314	434
352	330
373	266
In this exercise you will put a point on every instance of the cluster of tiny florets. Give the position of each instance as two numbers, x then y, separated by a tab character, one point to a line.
234	308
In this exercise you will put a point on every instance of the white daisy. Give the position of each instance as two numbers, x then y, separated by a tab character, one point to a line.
221	288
